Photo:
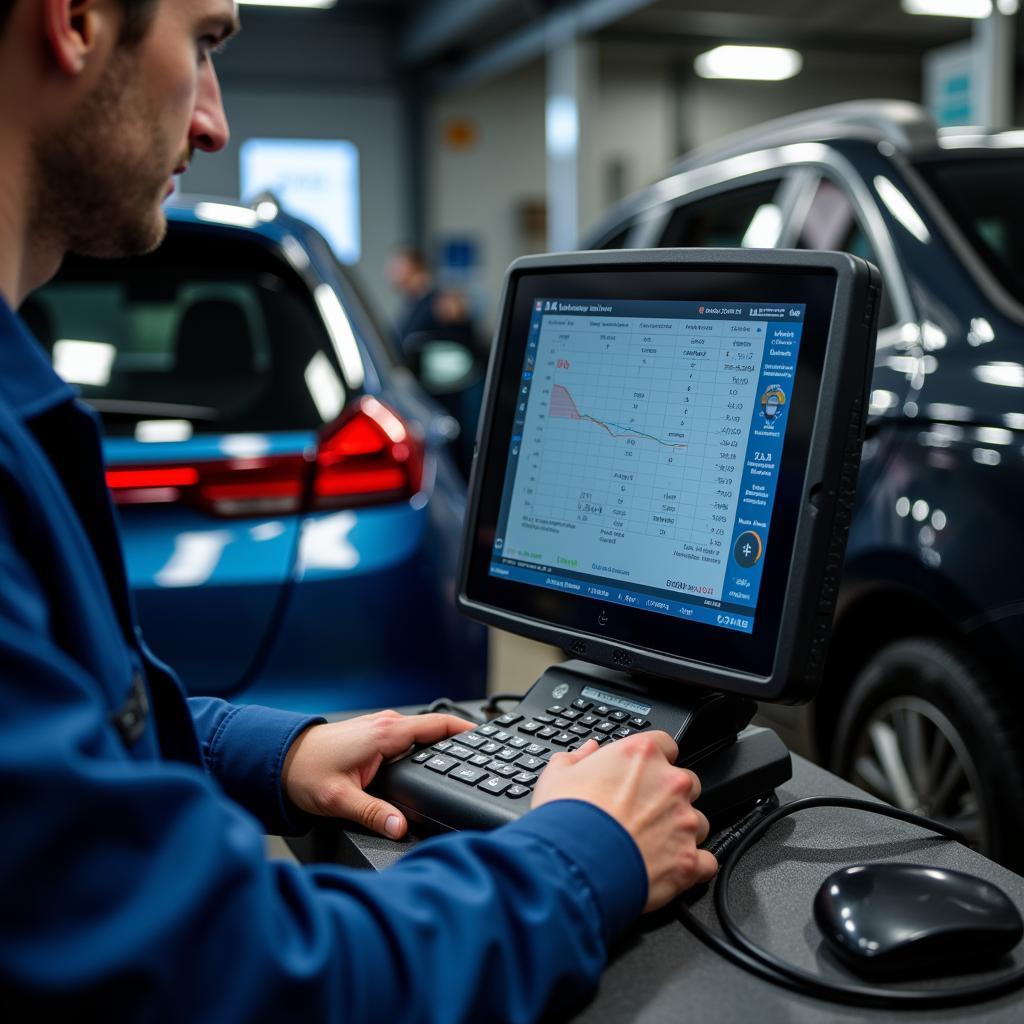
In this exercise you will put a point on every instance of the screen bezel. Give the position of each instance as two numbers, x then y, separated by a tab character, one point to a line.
680	649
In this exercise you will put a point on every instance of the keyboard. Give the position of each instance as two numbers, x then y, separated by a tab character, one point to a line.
485	777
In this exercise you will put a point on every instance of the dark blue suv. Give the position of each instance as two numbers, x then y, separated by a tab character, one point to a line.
923	701
290	507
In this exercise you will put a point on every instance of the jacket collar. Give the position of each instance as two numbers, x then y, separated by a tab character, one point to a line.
27	381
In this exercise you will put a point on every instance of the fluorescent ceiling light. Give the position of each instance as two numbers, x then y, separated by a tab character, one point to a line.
322	4
949	8
757	63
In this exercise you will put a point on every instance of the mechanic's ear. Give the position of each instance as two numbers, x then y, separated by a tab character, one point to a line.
73	27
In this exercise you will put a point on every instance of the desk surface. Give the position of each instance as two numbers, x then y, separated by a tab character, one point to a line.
660	973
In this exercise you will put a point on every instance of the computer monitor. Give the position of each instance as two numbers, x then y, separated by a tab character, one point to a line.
666	461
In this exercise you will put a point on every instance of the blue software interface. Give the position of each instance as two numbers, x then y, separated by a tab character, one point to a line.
645	453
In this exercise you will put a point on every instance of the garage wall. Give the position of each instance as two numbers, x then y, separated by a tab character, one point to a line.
343	88
649	108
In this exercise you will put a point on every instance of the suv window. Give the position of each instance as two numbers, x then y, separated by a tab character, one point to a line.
208	330
832	223
720	220
982	193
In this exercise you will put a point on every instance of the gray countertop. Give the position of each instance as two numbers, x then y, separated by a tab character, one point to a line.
661	973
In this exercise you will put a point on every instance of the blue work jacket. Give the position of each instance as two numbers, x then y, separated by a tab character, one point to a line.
133	874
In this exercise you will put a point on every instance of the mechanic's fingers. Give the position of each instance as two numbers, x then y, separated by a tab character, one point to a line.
403	731
588	748
703	827
694	786
665	743
380	817
706	867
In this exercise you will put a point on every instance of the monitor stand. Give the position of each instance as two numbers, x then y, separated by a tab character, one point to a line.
736	763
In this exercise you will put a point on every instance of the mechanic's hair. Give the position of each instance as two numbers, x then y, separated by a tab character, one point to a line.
137	17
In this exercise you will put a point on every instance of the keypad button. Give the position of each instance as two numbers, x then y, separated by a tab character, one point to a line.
504	769
507	754
457	750
467	774
571	714
471	739
508	719
547	732
423	755
602	710
516	792
443	746
518	742
563	739
639	723
525	778
618	716
544	719
480	759
621	734
490	747
487	730
601	737
502	736
495	784
605	727
589	720
529	727
582	705
556	709
536	749
529	763
579	730
561	723
441	764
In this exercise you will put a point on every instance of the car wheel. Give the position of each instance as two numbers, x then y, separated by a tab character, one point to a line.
924	728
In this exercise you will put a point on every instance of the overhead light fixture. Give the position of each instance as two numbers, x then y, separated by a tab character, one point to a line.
753	63
949	8
319	4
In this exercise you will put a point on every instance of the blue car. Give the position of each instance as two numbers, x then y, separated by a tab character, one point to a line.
290	507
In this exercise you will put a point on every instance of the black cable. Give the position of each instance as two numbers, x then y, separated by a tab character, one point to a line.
751	957
449	707
496	698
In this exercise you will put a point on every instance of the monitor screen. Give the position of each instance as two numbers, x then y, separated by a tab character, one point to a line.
645	453
659	457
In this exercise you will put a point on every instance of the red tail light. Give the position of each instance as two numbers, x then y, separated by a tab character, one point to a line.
368	456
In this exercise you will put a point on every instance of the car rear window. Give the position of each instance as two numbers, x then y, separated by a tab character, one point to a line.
206	329
982	193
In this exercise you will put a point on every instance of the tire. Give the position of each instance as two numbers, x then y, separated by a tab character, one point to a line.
923	727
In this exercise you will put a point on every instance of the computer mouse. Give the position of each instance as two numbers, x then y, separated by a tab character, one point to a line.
907	920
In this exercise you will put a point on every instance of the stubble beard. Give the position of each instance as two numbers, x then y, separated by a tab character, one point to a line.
100	180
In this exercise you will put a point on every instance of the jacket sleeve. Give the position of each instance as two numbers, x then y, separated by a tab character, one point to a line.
139	890
244	748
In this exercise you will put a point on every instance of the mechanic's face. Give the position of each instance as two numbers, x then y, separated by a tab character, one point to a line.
105	177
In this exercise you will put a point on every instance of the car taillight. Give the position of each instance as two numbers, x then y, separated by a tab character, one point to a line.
368	456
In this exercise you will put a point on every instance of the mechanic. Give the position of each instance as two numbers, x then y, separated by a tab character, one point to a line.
133	875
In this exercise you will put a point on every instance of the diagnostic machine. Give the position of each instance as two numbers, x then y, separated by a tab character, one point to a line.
662	487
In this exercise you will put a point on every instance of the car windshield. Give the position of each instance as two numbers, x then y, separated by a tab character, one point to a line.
982	193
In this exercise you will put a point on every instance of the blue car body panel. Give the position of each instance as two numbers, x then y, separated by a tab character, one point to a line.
315	611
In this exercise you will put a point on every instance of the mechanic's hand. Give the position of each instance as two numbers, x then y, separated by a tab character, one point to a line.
634	780
328	766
